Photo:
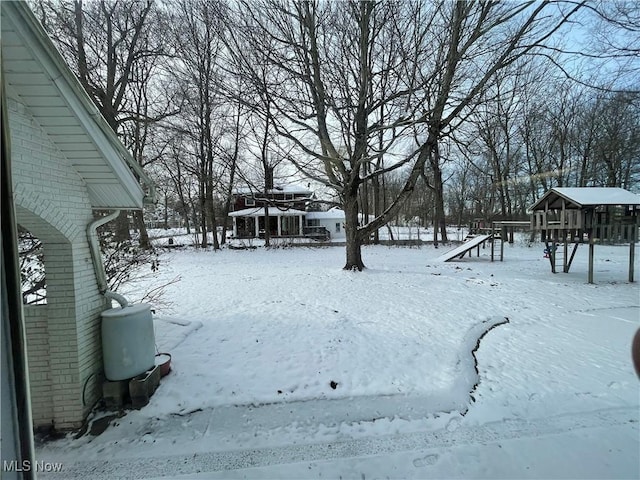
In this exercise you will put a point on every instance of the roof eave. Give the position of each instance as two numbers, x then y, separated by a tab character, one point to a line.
549	193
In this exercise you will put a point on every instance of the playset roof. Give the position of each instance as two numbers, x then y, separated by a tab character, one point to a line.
580	197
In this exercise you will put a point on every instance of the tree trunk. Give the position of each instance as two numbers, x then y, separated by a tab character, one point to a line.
267	221
185	217
225	215
232	175
438	190
377	210
354	242
203	217
194	213
214	228
138	218
364	202
227	201
166	213
177	181
122	233
211	213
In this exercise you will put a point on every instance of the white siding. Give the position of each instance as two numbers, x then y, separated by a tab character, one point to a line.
333	221
335	226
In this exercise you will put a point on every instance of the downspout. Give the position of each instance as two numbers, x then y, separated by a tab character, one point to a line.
94	247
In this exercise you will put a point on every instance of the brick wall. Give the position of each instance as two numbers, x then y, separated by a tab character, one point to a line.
52	202
37	331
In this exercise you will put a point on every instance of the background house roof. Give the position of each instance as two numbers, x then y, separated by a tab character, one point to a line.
586	197
273	212
299	189
37	75
334	213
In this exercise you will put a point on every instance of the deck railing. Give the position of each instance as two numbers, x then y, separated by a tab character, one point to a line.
558	219
615	233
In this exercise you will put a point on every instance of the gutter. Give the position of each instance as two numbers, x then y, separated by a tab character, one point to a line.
98	266
150	197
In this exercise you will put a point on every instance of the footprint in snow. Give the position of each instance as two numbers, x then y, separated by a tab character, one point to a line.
425	461
453	424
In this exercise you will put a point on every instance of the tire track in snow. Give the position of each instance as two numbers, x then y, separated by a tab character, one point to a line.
489	433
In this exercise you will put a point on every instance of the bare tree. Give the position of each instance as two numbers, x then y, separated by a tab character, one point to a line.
149	103
616	150
231	155
337	65
32	269
577	136
263	139
196	28
496	138
611	44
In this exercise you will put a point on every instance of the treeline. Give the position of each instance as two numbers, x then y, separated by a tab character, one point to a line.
517	148
430	112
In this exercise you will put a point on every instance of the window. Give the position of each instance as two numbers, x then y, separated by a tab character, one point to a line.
32	268
290	226
250	202
338	227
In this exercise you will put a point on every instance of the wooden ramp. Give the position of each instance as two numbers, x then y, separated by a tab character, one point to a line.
461	250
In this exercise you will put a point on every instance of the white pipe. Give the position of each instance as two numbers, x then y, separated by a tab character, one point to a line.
117	297
98	266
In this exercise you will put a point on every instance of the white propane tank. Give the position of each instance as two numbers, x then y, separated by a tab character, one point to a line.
128	341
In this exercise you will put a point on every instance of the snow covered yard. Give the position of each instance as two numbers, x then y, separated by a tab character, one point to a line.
286	366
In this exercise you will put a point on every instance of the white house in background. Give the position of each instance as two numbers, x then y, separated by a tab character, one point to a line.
66	162
331	220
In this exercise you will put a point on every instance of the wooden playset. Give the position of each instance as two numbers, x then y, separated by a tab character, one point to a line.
589	215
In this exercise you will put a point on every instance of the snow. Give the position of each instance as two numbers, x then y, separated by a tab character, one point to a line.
333	213
430	378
